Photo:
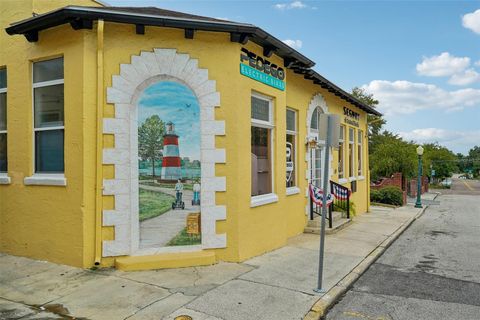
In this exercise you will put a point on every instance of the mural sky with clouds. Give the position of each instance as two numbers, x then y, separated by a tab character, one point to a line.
175	102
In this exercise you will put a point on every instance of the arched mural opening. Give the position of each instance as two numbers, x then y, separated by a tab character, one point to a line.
169	166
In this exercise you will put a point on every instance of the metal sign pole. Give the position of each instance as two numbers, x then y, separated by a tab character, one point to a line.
324	204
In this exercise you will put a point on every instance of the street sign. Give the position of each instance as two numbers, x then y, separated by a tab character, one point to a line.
323	128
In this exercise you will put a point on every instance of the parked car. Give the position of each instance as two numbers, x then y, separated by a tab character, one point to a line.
447	183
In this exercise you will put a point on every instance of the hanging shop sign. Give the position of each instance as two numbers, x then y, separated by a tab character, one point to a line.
351	117
261	70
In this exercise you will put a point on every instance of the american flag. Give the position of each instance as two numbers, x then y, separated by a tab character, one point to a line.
317	196
340	193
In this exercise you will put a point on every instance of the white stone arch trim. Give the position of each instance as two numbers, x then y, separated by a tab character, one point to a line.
317	101
126	87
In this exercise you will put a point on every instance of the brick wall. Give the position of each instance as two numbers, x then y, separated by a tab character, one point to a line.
395	180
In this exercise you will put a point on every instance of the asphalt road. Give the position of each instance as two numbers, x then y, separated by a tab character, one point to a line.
431	272
463	186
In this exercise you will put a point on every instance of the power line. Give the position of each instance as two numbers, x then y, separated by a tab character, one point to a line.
458	160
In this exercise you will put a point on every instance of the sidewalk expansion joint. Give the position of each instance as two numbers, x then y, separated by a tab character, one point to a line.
144	307
278	287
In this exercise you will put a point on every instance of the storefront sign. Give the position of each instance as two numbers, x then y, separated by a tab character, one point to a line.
351	117
261	70
290	167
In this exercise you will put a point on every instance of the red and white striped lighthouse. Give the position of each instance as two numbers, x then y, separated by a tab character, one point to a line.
171	164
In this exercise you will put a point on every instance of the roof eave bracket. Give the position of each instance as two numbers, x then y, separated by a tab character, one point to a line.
268	51
31	36
78	24
140	29
189	33
239	37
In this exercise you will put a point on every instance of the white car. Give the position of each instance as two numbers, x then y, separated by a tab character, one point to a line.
447	182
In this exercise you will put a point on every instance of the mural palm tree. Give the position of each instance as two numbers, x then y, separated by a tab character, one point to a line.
150	140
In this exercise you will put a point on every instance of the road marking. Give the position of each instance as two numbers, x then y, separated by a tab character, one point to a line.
468	186
359	315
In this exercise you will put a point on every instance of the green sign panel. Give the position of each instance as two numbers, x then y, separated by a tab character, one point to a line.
261	77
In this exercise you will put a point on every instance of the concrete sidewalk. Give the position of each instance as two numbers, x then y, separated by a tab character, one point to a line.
278	285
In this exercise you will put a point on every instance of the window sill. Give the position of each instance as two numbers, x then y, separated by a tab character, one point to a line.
360	178
352	179
342	181
293	190
46	180
263	199
4	178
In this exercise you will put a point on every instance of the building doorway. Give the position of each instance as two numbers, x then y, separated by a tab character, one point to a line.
316	152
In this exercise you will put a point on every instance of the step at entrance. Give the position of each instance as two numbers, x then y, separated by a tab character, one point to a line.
314	226
166	261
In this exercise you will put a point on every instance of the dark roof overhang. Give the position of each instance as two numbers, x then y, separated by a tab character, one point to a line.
82	17
318	79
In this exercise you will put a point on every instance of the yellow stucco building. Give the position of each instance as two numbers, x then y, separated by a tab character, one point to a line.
79	87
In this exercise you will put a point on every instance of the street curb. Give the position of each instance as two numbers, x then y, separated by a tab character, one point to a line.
320	307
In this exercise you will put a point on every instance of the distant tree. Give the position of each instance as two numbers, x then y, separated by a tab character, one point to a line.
462	165
440	159
150	140
392	154
375	123
474	160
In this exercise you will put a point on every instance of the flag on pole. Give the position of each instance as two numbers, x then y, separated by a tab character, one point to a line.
317	196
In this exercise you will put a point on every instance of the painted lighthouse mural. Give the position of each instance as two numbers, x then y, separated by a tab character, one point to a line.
171	163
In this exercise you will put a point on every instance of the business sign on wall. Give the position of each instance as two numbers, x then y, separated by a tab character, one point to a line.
351	117
261	70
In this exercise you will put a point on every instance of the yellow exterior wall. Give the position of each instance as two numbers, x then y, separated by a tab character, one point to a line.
46	222
211	50
58	223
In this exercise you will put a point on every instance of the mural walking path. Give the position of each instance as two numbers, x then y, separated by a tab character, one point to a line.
157	232
276	285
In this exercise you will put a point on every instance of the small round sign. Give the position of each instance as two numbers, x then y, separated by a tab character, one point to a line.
183	317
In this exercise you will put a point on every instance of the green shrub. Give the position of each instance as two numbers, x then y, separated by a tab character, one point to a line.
375	196
387	195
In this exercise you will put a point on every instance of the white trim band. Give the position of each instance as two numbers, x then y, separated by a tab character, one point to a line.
263	199
46	180
4	178
292	190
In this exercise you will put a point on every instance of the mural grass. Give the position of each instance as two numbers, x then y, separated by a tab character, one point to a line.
154	204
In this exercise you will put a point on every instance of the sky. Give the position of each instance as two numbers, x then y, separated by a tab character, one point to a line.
174	102
420	59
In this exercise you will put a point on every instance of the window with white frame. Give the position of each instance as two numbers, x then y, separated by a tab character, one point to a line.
3	121
341	153
351	152
360	152
315	121
291	145
48	109
262	145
